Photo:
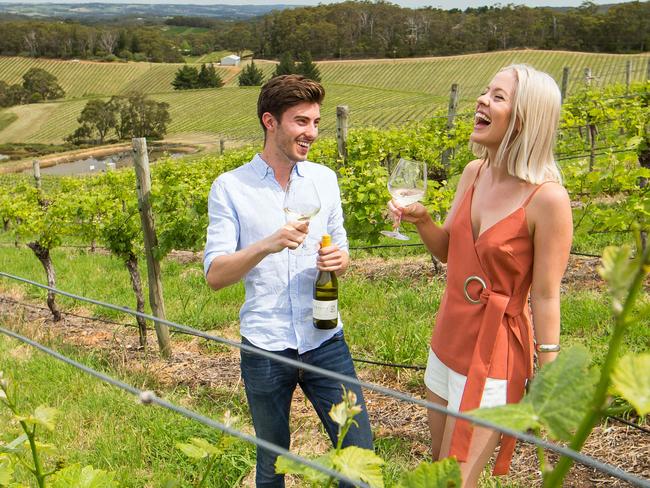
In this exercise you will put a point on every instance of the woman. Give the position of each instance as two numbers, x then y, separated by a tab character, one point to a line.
507	237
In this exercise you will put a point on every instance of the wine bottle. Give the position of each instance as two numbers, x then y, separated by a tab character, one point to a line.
326	294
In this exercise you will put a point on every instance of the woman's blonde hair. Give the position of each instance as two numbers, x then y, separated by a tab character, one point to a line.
527	146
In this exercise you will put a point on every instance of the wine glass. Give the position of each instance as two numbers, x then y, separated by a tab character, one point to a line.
301	203
407	184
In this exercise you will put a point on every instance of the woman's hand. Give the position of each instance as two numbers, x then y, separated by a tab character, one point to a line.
413	213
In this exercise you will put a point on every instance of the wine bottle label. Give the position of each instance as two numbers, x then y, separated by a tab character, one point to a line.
326	310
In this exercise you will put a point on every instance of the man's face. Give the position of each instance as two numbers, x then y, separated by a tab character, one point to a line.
291	137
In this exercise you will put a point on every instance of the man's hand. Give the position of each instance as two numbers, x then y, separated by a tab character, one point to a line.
290	235
331	258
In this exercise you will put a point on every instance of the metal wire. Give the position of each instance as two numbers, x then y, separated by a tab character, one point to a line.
147	397
564	451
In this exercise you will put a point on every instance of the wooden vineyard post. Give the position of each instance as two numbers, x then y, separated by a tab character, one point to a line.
628	76
36	165
647	70
342	131
143	178
222	146
591	128
451	115
565	82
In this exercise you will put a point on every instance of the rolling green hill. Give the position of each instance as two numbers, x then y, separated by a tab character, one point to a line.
378	92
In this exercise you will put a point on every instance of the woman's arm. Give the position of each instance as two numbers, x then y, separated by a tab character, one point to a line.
549	215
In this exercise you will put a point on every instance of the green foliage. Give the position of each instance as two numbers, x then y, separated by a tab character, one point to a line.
208	77
82	477
99	116
307	68
251	75
132	116
363	464
186	78
558	398
286	66
38	85
442	474
27	452
631	380
206	454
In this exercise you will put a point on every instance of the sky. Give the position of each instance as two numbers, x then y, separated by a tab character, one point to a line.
445	4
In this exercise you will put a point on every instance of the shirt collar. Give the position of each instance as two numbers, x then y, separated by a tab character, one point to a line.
262	169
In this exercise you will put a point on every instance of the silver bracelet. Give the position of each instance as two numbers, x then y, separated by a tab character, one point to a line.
547	348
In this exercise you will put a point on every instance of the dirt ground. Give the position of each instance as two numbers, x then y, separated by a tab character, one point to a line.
194	364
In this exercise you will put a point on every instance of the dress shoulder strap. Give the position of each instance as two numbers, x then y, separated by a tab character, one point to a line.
532	193
478	172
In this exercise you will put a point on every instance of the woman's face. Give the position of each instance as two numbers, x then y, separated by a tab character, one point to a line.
493	110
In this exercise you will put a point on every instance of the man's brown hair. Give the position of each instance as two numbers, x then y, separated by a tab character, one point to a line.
283	92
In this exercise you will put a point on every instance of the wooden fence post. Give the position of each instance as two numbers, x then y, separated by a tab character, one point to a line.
143	177
36	165
342	130
565	82
451	115
222	146
647	70
628	76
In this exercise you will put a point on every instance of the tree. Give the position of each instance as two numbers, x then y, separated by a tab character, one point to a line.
307	68
286	66
99	116
145	117
132	116
41	85
208	77
251	75
186	78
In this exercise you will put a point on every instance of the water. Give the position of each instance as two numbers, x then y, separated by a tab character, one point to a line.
98	165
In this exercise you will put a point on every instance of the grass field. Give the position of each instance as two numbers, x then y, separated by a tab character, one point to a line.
378	92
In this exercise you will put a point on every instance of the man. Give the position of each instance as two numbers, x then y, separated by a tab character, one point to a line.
249	237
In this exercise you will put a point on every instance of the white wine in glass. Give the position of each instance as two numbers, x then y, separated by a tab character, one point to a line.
301	203
407	184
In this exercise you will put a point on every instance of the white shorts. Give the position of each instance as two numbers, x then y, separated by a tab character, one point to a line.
448	384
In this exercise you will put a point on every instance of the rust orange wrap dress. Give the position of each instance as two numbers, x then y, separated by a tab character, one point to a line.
483	328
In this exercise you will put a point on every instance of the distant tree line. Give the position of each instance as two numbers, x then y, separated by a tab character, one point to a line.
133	115
38	85
65	40
352	29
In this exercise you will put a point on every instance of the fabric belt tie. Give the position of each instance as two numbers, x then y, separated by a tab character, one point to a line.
497	306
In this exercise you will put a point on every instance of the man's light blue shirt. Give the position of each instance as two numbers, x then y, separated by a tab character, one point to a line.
245	206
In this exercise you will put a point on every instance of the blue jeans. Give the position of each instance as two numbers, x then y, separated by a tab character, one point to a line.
269	389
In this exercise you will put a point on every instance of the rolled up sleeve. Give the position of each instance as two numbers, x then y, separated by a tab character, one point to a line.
223	225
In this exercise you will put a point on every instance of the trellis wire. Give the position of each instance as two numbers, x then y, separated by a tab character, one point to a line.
576	456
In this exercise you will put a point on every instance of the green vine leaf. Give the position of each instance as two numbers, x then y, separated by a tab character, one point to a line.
284	465
618	270
517	416
631	379
561	391
6	470
441	474
360	464
43	416
86	477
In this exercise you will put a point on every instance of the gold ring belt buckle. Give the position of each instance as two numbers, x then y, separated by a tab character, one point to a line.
467	282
